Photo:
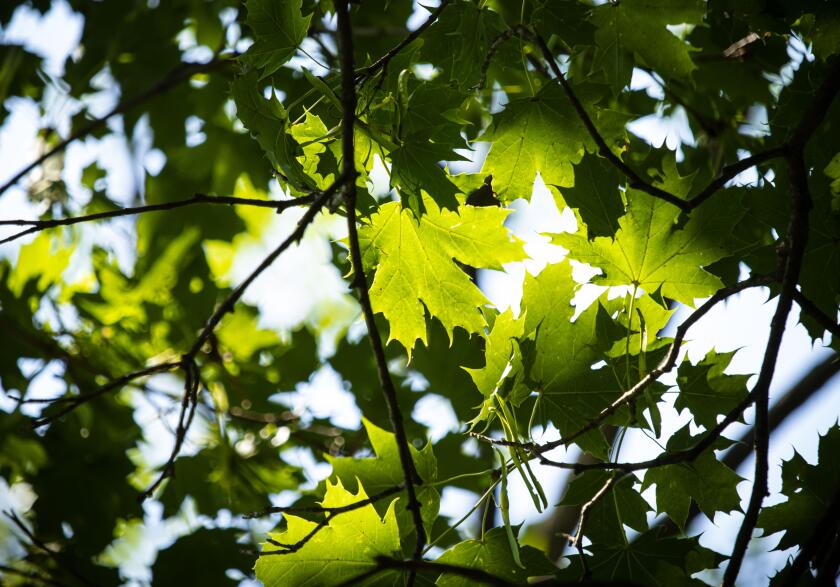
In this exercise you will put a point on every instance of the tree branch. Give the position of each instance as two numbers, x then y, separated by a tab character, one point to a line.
823	319
331	511
46	549
577	539
329	514
348	101
38	225
784	407
817	110
228	304
193	378
474	575
75	401
31	576
635	181
730	171
797	239
382	62
667	363
180	74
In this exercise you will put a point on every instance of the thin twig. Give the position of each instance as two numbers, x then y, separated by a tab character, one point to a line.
332	511
348	102
382	62
189	402
577	539
491	52
180	74
329	514
74	401
476	576
38	225
228	304
821	318
666	365
31	576
730	171
528	446
49	551
635	181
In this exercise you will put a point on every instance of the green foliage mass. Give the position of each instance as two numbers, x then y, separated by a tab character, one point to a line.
148	414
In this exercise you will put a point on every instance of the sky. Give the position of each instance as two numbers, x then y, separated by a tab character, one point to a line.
740	324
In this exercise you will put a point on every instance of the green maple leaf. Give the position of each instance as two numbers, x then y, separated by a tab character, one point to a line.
414	264
415	170
459	41
652	251
220	478
279	27
385	471
706	391
539	134
645	561
211	546
344	549
492	554
639	26
596	196
706	480
268	122
501	347
809	489
621	505
560	362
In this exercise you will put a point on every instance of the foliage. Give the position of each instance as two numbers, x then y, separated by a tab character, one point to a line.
117	347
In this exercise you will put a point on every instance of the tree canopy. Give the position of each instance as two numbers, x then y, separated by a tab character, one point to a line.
146	397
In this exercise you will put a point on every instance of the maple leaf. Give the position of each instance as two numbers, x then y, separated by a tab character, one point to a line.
651	250
344	549
415	262
385	471
279	27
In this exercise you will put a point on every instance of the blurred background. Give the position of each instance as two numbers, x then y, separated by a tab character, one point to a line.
318	297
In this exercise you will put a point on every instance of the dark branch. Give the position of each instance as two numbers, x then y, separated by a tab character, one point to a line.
74	401
667	363
382	62
784	407
791	401
577	540
491	51
823	319
797	239
478	576
62	564
31	576
38	225
228	304
635	181
348	101
332	511
818	109
329	514
178	75
730	171
189	403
